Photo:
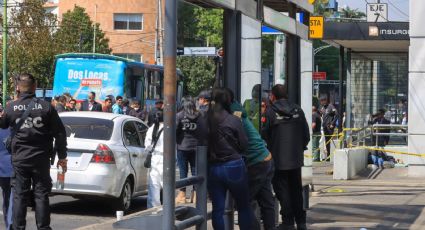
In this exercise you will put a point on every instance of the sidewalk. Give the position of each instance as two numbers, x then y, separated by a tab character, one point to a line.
390	201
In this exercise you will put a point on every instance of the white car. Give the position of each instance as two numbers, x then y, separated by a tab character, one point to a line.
105	157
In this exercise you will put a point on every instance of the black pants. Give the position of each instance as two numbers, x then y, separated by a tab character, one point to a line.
260	188
6	190
328	138
287	185
39	177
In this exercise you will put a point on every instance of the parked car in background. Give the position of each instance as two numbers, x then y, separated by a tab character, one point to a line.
105	157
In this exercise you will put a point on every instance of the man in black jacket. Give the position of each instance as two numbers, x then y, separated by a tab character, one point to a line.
32	148
287	134
329	119
91	104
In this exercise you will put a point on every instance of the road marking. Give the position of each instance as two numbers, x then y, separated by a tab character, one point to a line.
336	190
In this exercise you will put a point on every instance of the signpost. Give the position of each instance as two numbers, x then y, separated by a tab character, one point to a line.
377	12
319	76
200	51
316	27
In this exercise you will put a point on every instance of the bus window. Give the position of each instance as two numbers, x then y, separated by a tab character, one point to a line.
153	84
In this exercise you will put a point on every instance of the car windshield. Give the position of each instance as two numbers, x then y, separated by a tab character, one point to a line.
88	128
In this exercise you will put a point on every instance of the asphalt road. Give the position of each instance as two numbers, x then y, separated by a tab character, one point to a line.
70	213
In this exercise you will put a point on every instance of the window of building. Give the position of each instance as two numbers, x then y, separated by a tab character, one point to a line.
134	57
128	21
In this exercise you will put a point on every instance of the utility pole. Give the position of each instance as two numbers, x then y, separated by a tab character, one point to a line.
161	33
94	28
170	85
4	52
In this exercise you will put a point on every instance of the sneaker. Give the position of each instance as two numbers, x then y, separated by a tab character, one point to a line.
181	197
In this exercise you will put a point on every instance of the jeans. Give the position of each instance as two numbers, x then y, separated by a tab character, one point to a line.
260	188
378	161
184	158
229	176
7	201
287	185
316	145
155	181
39	177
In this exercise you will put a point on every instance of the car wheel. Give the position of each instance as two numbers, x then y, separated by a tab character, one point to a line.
123	203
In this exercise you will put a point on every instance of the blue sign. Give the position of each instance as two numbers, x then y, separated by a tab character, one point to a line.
269	30
79	76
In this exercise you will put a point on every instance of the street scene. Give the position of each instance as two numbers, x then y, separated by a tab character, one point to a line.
212	114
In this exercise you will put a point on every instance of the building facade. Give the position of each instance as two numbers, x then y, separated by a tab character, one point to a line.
130	25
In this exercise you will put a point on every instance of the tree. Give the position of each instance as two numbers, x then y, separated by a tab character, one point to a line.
210	26
198	72
349	13
31	45
75	33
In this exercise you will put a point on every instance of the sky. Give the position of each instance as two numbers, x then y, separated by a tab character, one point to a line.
393	13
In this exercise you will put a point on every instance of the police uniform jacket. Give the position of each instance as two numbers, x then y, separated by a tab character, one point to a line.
33	142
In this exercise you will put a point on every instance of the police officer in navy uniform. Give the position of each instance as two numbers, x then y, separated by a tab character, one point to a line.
32	148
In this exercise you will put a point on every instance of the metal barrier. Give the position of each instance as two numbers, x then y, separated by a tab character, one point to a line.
376	131
186	216
360	136
198	215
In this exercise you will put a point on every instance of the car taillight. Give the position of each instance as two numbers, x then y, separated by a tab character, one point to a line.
103	154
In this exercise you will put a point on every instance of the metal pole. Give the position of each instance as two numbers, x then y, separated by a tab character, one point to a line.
94	28
161	34
341	84
201	189
170	85
4	52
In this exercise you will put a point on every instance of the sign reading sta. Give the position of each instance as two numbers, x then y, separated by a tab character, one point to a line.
316	27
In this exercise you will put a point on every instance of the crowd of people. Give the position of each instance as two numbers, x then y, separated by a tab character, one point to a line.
247	161
245	158
111	104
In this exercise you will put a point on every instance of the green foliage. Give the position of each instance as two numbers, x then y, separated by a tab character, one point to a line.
35	39
198	27
210	26
199	73
352	13
31	45
75	34
267	50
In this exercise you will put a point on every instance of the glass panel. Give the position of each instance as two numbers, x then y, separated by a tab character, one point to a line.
135	25
131	137
88	128
120	25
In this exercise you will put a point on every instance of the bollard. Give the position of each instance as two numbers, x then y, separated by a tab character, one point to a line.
201	188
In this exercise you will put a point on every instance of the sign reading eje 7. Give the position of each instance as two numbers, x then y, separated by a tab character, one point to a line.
316	27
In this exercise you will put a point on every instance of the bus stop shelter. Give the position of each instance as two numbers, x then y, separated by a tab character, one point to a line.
374	64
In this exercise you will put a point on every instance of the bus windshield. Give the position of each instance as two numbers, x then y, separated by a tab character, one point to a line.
79	76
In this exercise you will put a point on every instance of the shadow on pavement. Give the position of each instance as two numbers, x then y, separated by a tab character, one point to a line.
98	208
355	216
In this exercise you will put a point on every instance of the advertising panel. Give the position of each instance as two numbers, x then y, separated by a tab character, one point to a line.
79	76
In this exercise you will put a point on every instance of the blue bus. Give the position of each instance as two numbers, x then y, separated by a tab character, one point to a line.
81	73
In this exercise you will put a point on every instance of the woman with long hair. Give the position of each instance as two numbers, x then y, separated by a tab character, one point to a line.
227	143
187	141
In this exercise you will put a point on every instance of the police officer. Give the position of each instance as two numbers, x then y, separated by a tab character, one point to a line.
329	119
31	152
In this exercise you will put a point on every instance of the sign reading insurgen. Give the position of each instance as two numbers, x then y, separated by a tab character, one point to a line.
79	76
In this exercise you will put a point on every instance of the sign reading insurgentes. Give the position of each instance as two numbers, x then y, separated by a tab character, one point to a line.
316	27
377	12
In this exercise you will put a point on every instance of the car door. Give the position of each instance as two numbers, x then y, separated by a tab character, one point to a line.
142	129
132	142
